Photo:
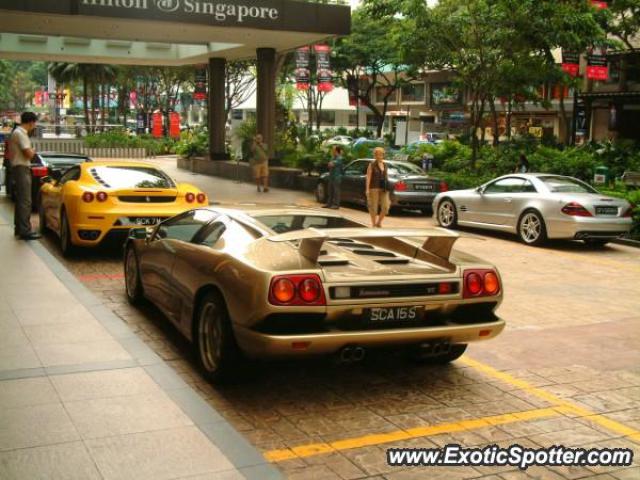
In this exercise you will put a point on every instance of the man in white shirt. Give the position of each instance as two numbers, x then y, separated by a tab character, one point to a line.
21	154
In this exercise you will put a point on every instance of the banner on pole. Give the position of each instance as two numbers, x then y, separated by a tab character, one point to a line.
303	75
200	92
174	125
597	67
156	121
323	63
571	63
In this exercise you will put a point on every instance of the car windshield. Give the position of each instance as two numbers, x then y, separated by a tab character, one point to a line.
566	185
405	169
290	223
131	177
57	160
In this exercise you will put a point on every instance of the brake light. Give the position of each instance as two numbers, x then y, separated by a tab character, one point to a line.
629	212
40	171
201	197
296	290
481	283
102	196
190	197
400	187
445	288
443	186
574	209
87	197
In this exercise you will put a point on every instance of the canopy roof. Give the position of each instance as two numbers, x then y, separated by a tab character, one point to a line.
162	32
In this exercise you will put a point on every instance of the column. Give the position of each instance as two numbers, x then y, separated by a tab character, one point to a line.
217	118
266	96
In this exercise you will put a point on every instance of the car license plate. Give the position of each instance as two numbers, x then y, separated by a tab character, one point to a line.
394	314
423	186
606	210
145	221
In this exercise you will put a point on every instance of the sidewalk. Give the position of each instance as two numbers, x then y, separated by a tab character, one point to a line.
81	397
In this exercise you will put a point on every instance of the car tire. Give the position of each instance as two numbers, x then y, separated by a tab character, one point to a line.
596	242
447	214
531	228
321	193
218	353
42	218
132	281
66	244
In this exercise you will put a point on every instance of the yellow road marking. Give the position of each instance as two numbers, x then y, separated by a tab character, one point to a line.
563	406
314	449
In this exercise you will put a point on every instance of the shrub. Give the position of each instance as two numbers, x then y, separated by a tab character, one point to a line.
193	144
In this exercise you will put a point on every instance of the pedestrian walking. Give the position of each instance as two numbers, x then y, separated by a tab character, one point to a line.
21	154
523	164
336	170
377	188
260	163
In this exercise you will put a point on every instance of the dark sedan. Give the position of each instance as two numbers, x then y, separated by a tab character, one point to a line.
48	164
411	187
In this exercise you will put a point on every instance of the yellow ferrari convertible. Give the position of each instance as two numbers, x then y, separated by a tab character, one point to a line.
98	202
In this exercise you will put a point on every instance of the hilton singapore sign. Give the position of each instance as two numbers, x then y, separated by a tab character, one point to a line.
221	12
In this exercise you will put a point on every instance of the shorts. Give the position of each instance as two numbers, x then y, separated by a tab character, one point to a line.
261	170
378	201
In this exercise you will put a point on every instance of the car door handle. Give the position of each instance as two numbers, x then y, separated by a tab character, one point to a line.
507	200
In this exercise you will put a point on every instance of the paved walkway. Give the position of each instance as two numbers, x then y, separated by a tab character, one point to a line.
81	397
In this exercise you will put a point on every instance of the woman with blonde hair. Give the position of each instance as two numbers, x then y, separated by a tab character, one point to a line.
377	188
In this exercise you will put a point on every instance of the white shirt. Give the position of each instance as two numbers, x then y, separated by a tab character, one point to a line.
20	141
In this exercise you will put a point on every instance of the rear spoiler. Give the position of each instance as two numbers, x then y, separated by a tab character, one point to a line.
438	241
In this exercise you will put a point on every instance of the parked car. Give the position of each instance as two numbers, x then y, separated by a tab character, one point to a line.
342	140
47	164
101	201
363	147
537	207
433	137
264	282
411	187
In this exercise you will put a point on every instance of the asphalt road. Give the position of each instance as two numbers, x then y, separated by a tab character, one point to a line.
566	370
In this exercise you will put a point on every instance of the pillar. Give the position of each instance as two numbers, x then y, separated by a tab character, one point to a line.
266	96
217	118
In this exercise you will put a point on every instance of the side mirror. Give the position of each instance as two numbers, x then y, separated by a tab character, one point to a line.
480	190
141	233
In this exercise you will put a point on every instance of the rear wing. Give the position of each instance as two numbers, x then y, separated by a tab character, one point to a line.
437	241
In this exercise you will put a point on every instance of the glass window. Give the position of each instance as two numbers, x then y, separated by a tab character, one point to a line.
404	169
213	234
72	174
414	92
382	92
358	167
566	185
506	185
529	187
185	226
327	117
445	94
64	160
131	177
290	223
353	119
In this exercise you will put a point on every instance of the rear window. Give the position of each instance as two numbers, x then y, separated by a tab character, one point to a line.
404	169
566	185
131	177
290	223
64	160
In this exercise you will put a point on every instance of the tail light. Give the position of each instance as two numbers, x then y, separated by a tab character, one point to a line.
201	197
102	196
296	290
443	186
87	197
190	197
400	187
481	283
574	209
40	171
629	212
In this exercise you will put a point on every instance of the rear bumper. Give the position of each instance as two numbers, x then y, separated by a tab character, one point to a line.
260	345
412	199
588	227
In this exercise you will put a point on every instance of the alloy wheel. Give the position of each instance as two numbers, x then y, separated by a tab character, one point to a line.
530	228
446	214
210	337
131	274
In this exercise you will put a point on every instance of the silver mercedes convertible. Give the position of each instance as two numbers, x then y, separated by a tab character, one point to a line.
537	207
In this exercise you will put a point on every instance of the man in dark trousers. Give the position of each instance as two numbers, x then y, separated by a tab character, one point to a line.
336	167
21	154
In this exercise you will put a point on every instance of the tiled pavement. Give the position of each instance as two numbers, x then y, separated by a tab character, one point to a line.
566	370
81	397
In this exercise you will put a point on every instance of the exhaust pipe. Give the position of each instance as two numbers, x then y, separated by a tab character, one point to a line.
358	354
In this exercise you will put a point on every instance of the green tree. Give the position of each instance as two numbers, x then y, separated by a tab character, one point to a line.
624	22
